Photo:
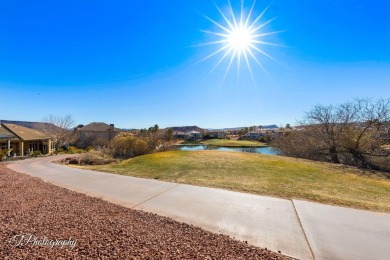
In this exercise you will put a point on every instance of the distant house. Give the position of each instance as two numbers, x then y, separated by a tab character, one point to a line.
179	135
193	135
267	134
216	134
23	140
254	135
96	133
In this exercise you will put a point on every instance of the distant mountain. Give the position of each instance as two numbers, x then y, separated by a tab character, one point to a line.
239	128
186	128
270	126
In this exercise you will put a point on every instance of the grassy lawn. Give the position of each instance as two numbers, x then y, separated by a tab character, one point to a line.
233	143
263	174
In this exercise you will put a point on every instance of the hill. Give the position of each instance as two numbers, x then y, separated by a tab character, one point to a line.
186	128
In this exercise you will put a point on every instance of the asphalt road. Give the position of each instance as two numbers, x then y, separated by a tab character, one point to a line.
299	229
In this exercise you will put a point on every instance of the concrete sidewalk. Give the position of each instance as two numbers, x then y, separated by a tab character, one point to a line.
298	229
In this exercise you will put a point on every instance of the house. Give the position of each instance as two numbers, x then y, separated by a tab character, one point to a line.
266	134
23	140
96	133
216	134
193	135
179	134
183	132
254	135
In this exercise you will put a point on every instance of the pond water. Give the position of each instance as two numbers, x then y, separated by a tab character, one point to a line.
262	150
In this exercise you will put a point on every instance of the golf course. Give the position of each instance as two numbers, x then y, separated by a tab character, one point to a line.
260	174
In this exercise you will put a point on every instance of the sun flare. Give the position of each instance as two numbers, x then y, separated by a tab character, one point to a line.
240	37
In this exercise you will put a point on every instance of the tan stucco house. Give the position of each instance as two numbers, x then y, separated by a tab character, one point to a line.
96	133
23	140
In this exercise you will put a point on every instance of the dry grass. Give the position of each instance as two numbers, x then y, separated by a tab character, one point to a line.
264	174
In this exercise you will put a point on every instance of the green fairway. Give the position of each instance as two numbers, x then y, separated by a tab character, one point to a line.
233	143
263	174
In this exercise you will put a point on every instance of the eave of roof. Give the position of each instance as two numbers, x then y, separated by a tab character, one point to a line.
24	133
5	133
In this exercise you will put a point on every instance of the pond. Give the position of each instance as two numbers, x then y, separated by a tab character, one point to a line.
262	150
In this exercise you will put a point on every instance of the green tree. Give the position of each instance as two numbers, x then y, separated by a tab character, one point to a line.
153	129
169	134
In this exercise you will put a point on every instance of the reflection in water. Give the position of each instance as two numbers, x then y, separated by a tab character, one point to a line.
262	150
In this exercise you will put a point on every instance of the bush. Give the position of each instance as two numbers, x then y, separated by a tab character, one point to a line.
125	146
72	150
59	151
35	153
4	154
95	157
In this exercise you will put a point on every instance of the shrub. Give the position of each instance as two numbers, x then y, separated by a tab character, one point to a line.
59	151
126	146
70	150
4	153
95	157
35	153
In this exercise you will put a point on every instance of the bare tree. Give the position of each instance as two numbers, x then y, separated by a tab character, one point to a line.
362	139
59	129
350	133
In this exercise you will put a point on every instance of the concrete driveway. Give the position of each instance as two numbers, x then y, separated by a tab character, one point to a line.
299	229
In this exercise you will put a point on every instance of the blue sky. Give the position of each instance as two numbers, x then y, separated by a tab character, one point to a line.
136	63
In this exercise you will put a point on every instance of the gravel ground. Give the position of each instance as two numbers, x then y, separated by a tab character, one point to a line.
90	228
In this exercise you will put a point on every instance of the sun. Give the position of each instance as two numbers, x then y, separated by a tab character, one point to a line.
240	37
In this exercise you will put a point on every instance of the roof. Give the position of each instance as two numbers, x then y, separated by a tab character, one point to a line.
179	133
193	132
5	133
97	127
25	133
33	125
